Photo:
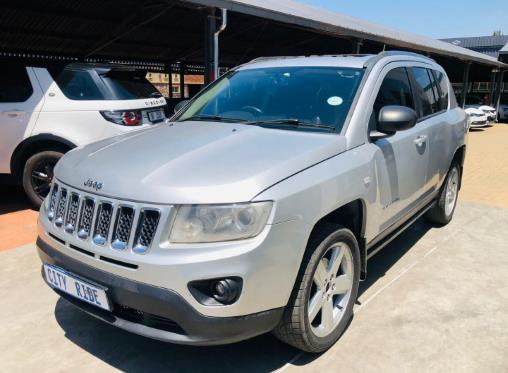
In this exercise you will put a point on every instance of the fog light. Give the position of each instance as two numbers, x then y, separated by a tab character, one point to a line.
218	291
225	291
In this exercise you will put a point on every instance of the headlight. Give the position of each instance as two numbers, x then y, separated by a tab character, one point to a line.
214	223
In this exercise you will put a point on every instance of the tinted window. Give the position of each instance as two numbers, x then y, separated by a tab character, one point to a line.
128	85
425	89
442	82
395	90
15	84
313	95
78	84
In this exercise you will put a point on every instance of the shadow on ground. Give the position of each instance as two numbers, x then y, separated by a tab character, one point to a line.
12	199
132	353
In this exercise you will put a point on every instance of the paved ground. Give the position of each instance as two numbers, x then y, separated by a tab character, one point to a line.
435	300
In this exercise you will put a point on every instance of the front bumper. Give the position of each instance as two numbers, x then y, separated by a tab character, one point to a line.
157	312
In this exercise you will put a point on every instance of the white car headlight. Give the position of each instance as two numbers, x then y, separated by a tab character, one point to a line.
215	223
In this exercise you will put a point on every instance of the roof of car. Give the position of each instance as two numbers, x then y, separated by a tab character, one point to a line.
340	60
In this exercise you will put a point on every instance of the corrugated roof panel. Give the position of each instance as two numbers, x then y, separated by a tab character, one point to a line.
290	11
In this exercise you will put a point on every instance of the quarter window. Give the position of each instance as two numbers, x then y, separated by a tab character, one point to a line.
78	85
15	84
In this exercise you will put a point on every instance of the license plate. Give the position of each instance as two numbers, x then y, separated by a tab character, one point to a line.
92	294
156	116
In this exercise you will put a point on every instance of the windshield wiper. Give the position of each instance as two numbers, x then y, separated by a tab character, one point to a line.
215	118
293	122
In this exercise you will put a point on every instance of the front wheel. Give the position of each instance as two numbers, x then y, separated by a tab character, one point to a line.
321	304
38	175
444	208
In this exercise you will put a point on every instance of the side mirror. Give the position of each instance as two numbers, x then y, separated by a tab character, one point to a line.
393	118
180	105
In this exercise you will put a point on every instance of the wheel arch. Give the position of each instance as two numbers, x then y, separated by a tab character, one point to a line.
459	157
33	145
353	216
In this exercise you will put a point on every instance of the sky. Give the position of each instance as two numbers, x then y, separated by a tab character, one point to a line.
434	18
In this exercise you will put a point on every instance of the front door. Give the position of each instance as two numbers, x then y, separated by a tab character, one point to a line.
401	159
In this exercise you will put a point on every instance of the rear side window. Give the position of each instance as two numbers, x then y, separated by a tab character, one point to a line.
425	90
442	82
128	85
15	84
78	85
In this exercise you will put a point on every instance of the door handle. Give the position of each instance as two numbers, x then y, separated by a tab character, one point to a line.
13	114
420	140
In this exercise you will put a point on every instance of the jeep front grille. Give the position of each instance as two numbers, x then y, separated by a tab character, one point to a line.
104	221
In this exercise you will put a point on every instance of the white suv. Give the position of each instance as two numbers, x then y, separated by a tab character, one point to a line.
44	112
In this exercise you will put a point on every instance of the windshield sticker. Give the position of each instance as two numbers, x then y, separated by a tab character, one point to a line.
335	101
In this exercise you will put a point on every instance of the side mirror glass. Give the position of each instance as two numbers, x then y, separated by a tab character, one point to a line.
393	118
180	105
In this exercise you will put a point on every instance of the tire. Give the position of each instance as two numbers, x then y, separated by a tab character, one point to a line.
38	175
442	212
308	332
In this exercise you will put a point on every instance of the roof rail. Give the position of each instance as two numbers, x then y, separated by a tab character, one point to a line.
384	54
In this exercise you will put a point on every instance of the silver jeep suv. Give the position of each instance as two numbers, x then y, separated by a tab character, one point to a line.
257	207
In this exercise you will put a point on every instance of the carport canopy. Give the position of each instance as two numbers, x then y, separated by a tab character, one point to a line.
165	34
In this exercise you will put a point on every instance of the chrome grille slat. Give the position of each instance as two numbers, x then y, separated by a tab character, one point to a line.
72	213
60	208
147	226
86	218
102	223
123	227
52	201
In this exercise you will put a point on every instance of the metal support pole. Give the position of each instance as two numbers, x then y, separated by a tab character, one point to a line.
499	86
210	29
224	14
492	86
465	84
182	80
357	46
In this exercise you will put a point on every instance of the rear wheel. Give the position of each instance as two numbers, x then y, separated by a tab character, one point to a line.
38	175
442	212
321	304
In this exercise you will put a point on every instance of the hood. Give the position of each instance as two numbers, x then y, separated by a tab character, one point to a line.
195	162
487	108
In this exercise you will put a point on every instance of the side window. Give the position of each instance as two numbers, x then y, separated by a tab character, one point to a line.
78	85
442	81
425	90
15	84
395	90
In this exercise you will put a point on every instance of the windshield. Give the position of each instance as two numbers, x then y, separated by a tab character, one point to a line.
318	98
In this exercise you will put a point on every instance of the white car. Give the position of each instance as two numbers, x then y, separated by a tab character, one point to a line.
477	117
44	112
490	111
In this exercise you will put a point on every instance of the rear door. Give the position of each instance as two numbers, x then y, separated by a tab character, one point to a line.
431	89
20	103
402	159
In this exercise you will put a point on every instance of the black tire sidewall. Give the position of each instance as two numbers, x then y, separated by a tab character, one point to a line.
341	235
27	173
442	200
